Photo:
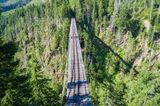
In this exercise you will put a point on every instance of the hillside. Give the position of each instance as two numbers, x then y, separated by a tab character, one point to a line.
120	42
8	6
12	4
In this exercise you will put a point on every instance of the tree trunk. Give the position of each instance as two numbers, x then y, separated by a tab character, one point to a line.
145	4
152	5
159	10
112	19
119	2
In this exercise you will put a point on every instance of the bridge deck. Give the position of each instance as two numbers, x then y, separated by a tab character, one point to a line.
77	85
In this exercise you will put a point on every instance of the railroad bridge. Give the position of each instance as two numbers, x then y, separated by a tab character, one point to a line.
77	85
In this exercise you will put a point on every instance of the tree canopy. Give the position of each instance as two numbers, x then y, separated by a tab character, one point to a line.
120	40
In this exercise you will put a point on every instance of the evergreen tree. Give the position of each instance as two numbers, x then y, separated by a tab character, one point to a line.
122	70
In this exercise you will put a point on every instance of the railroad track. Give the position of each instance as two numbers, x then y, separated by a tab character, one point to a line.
77	85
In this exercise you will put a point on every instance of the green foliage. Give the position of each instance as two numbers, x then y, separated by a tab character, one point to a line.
12	84
110	8
38	46
124	15
145	87
34	51
134	27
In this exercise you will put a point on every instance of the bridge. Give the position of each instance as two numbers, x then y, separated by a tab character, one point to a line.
77	85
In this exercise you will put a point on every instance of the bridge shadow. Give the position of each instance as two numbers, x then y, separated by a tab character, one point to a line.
128	65
72	85
101	57
99	50
79	100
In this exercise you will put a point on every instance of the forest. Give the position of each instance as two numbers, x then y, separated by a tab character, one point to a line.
7	5
121	52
